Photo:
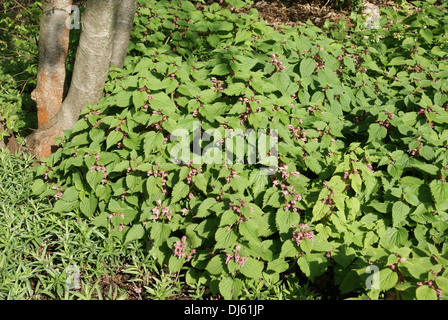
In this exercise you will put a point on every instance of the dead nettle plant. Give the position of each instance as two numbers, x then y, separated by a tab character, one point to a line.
361	152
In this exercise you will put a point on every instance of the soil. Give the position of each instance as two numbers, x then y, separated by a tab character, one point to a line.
294	12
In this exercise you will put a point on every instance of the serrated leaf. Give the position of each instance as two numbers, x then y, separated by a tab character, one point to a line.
320	210
252	268
220	69
376	132
180	190
388	279
152	141
88	205
286	219
175	264
216	264
230	288
312	265
425	293
113	138
160	232
139	98
399	213
136	232
63	206
356	182
225	238
203	210
307	67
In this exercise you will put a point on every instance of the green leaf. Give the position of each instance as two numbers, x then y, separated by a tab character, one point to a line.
312	265
281	80
252	268
426	34
439	191
175	264
63	206
289	249
396	236
216	264
139	98
306	245
376	132
235	89
94	178
351	281
180	191
388	279
425	293
113	138
160	232
88	205
286	220
230	288
200	181
313	164
400	211
203	210
152	141
220	69
307	67
136	232
38	187
225	238
356	182
320	210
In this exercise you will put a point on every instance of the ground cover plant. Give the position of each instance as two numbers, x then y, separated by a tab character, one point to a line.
357	204
18	67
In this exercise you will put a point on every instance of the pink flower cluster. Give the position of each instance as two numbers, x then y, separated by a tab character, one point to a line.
298	132
245	115
416	151
179	249
278	64
159	173
58	195
116	214
285	175
236	256
159	212
98	112
386	124
237	208
158	125
432	284
424	111
302	233
193	172
286	192
232	173
329	199
100	168
217	85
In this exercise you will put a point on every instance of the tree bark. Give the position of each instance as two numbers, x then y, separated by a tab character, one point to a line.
125	21
53	48
92	63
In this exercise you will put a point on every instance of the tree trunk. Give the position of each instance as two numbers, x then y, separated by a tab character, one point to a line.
125	21
92	62
53	48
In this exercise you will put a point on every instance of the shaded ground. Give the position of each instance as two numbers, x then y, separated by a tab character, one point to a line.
293	12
